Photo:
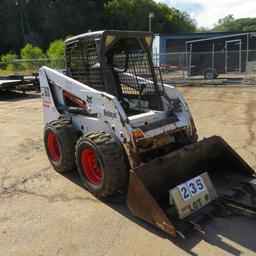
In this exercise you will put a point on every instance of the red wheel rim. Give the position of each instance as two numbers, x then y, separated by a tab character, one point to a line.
53	146
89	163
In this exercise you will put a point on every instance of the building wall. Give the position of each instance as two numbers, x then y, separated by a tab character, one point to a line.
167	44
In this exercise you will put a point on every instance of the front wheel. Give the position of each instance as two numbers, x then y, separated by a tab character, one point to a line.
59	141
101	164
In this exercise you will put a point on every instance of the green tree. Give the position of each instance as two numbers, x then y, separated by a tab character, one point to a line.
32	57
40	22
56	49
133	15
171	20
248	24
31	52
8	61
202	30
227	24
230	24
56	52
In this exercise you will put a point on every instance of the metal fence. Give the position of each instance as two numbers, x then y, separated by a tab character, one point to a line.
185	68
172	65
29	66
208	67
234	67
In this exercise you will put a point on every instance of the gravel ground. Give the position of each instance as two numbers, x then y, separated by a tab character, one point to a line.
45	213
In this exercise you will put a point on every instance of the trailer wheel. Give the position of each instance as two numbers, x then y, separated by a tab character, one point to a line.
59	141
210	74
101	164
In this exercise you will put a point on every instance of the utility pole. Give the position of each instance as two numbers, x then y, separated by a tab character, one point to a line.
150	17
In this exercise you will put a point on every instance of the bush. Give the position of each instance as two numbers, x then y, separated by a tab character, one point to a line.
56	50
31	52
30	57
8	58
8	63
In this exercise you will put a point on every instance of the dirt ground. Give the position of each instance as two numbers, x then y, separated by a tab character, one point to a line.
45	213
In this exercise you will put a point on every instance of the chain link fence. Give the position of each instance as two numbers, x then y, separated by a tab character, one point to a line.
29	66
184	68
216	68
172	66
228	59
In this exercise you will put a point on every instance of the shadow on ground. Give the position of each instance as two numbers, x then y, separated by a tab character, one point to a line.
221	232
17	96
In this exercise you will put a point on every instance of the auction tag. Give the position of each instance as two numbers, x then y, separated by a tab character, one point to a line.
191	188
192	195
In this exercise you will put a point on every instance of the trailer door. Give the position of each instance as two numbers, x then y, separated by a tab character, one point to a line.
233	56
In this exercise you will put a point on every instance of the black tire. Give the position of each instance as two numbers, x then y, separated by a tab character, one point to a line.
110	159
66	140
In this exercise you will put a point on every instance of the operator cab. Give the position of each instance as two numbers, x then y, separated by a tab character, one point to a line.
118	63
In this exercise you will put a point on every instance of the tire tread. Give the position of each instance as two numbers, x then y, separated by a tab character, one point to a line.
67	134
113	158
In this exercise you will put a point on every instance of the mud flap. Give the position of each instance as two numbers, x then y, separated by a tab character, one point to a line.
233	179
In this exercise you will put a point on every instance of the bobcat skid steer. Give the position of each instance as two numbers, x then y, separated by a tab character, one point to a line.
109	115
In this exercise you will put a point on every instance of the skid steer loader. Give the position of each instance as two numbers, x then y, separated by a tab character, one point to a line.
109	115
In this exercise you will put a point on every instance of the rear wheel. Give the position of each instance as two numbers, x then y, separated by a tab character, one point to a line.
101	164
210	74
59	141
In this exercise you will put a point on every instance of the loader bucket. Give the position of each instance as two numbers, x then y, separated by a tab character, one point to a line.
149	184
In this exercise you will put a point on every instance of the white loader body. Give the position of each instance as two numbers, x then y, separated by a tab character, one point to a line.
109	116
105	112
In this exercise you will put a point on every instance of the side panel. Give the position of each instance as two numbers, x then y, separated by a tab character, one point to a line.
106	108
143	205
87	124
183	114
50	111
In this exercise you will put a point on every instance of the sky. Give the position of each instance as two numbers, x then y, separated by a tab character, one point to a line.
207	12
